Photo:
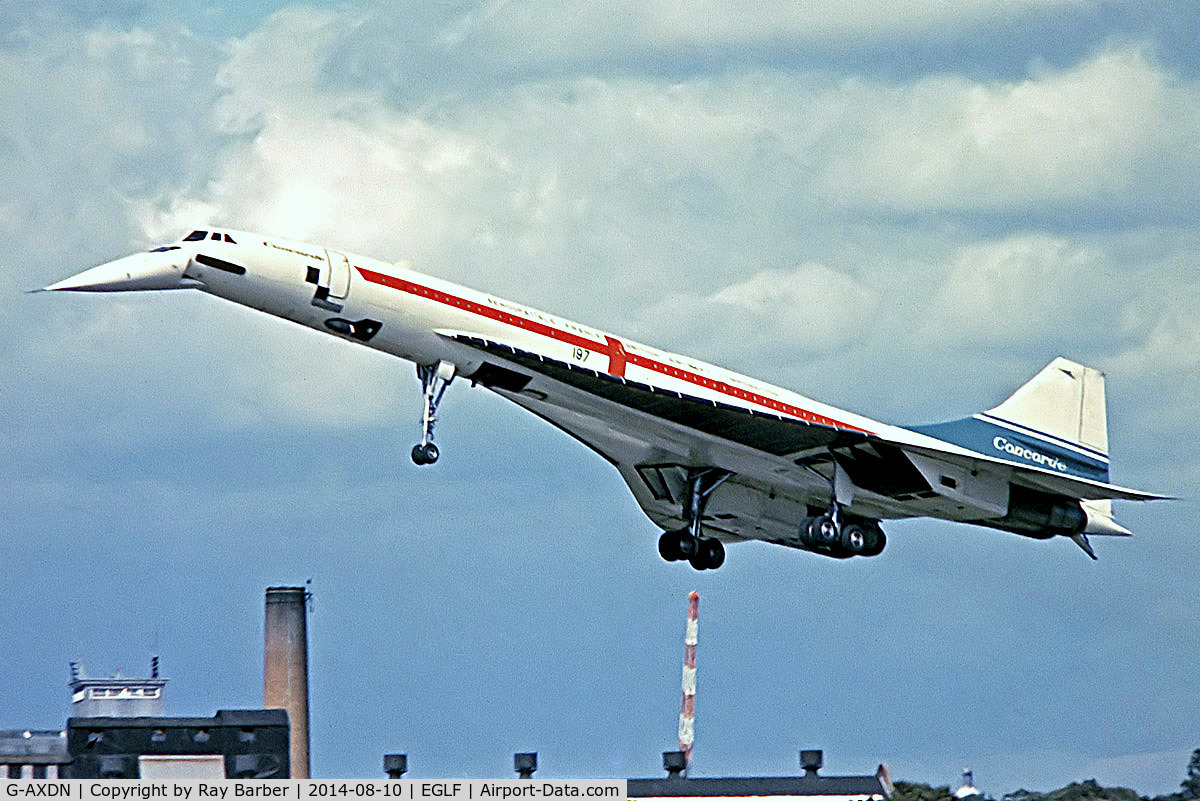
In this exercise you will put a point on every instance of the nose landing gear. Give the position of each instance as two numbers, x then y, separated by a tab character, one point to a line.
434	380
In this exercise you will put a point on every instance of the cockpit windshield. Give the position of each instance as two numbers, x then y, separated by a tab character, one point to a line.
196	236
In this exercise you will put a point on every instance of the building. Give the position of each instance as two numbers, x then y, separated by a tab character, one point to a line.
33	754
877	787
233	744
811	785
117	696
118	729
827	788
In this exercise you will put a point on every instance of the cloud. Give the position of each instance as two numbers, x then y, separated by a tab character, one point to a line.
521	33
758	218
1023	291
101	120
22	21
1094	136
779	315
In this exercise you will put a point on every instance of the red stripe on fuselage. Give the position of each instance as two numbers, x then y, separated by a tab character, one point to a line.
579	341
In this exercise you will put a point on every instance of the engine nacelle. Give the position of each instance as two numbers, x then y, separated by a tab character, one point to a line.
1040	515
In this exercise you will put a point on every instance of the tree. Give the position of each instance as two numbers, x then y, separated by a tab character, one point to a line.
1191	785
913	791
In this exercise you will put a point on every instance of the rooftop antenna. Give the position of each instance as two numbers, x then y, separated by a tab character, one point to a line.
687	710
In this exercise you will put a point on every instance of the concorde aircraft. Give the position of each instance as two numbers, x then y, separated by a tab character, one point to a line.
711	456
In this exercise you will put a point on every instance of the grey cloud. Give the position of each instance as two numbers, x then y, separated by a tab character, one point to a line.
643	205
1096	136
476	48
102	119
22	20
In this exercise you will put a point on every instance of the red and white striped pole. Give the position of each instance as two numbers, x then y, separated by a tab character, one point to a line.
687	712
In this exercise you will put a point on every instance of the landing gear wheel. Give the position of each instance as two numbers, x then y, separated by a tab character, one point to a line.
823	530
835	535
708	556
686	545
876	541
862	539
854	539
677	546
716	554
668	546
424	454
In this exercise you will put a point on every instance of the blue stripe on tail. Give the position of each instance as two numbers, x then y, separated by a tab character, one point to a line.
1021	445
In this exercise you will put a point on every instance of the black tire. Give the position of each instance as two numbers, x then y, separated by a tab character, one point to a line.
668	546
804	535
708	556
823	531
877	541
715	552
686	545
424	454
854	539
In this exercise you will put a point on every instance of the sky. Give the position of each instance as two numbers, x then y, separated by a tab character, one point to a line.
905	213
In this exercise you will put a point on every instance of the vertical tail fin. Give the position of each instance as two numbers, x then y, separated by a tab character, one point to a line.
1065	401
1055	420
1058	418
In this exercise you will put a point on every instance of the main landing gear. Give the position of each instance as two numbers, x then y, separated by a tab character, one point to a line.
434	380
688	544
833	535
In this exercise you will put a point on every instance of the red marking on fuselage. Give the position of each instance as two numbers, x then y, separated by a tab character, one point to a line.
616	357
619	358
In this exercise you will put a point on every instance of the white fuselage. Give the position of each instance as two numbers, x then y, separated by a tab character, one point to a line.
770	481
394	309
414	307
418	312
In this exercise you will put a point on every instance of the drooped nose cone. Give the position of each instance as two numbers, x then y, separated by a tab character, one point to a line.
155	270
